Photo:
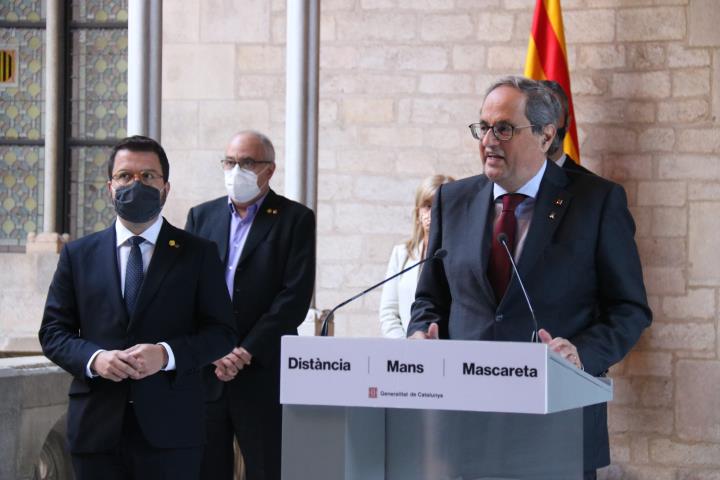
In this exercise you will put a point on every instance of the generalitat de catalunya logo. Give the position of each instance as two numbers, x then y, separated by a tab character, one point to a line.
372	392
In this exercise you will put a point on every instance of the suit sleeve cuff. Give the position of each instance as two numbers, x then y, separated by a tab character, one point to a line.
88	371
171	357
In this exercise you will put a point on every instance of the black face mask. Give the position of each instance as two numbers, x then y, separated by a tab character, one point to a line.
137	203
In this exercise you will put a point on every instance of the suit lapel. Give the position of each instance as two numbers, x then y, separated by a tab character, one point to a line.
107	263
221	234
265	218
477	220
164	255
550	207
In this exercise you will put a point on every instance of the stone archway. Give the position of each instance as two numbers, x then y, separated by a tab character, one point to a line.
54	462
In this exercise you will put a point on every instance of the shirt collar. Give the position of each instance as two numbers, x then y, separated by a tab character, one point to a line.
561	161
530	189
122	234
252	209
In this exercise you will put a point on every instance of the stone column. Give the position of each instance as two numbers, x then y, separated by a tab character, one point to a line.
301	127
144	67
49	240
155	70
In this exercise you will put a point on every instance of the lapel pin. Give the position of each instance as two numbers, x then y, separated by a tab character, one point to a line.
551	216
559	202
174	244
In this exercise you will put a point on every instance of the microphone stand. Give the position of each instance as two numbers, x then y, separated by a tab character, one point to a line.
441	253
503	239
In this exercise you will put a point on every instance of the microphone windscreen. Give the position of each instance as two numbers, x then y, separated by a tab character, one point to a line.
440	253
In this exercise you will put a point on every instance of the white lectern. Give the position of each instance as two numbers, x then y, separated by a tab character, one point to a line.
361	408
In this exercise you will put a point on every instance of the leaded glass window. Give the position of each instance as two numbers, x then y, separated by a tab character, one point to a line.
95	116
98	111
22	35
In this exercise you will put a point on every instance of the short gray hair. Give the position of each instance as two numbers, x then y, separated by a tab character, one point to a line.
269	154
557	89
542	107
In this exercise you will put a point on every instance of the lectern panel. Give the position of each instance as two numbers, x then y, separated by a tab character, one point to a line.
449	445
371	409
333	443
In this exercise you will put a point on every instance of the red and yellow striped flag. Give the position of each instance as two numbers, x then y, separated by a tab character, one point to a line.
547	60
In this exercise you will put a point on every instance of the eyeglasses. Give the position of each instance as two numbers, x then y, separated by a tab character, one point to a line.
503	131
247	163
147	177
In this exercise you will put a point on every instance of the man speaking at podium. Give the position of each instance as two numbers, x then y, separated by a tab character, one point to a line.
571	235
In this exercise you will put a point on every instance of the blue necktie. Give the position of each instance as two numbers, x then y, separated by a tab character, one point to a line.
133	274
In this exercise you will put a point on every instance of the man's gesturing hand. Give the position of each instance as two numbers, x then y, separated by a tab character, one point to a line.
562	346
432	333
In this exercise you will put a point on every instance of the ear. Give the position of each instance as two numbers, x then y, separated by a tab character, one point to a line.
166	189
109	189
271	170
548	133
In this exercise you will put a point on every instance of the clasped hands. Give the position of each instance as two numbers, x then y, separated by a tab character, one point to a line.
136	362
559	345
228	366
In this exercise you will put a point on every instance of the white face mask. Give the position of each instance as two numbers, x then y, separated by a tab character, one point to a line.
241	184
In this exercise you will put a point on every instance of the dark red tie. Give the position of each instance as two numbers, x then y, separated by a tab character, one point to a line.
499	269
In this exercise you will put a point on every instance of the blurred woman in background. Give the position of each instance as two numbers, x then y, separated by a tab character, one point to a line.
399	293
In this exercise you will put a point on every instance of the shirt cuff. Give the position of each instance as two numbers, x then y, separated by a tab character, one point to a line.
88	371
171	358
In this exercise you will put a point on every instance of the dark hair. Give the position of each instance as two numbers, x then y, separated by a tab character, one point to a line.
559	92
139	143
541	108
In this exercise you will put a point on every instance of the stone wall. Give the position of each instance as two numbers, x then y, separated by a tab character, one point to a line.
401	79
24	282
33	402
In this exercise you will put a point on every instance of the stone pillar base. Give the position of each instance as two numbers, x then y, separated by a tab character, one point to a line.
46	242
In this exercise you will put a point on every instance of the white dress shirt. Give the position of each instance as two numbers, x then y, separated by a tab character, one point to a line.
524	211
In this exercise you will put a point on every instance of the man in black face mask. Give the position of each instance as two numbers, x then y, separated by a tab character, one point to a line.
133	313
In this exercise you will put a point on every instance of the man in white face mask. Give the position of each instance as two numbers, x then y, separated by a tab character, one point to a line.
267	243
247	171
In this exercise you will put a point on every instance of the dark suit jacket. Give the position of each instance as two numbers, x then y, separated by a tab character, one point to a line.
275	275
183	301
579	263
571	165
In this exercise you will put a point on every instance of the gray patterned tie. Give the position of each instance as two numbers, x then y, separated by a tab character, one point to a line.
133	274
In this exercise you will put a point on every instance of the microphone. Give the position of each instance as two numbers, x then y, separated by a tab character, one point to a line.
438	255
502	238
